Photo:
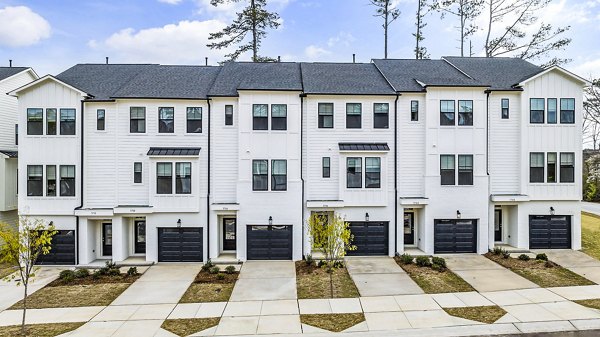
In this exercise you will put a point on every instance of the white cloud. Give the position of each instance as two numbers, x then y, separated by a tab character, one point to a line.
314	52
228	9
588	69
170	2
342	39
184	42
21	27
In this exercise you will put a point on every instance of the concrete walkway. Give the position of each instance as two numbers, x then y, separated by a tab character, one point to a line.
576	261
10	293
380	276
265	281
590	207
484	274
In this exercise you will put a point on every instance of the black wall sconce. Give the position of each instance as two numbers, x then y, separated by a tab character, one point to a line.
458	215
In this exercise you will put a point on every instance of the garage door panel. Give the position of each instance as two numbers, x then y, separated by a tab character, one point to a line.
370	238
269	242
180	244
455	236
62	251
549	232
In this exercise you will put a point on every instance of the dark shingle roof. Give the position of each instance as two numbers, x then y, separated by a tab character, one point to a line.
6	72
404	74
173	151
364	147
256	76
344	78
501	73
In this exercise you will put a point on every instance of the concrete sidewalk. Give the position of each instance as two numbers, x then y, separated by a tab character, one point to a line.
10	293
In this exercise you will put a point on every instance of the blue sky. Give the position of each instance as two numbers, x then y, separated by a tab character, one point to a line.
52	35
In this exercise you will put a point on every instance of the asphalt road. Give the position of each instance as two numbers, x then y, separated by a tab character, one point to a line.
590	207
588	333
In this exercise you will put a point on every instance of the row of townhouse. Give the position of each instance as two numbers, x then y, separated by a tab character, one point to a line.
187	163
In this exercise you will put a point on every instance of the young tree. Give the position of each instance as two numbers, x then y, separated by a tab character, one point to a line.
253	19
22	247
466	11
422	10
389	13
517	16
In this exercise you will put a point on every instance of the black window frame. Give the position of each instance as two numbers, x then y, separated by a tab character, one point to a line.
260	122
193	119
35	183
465	171
278	180
325	116
381	117
552	115
279	122
183	178
373	177
551	178
138	168
447	175
540	113
68	121
504	110
137	119
228	114
163	119
262	178
353	118
445	119
356	172
16	134
567	171
51	181
568	112
164	182
414	111
536	173
326	167
100	119
51	121
35	123
67	181
465	117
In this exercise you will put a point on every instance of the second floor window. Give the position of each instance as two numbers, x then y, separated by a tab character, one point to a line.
100	119
35	180
183	178
67	122
353	115
325	115
447	113
465	112
166	120
260	176
51	180
536	110
465	169
137	120
414	111
278	117
381	113
551	167
229	115
51	121
164	178
194	120
354	172
536	167
260	117
447	169
279	175
567	167
372	172
35	121
504	106
137	173
326	167
567	110
67	180
552	111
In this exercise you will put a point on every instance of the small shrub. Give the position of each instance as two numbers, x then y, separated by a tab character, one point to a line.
338	264
321	263
214	270
230	269
220	276
550	264
524	257
439	261
541	257
423	261
96	275
308	259
110	269
406	258
67	275
207	265
505	254
497	251
132	271
437	267
82	273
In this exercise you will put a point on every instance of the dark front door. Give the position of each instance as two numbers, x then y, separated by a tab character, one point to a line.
455	236
409	228
549	231
140	236
107	239
180	244
229	232
370	238
498	225
269	242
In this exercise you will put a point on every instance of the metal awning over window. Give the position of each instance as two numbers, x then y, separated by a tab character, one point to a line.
174	151
364	147
9	154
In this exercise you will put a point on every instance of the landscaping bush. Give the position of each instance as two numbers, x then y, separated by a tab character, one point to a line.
132	271
207	265
423	261
220	276
309	260
439	261
406	258
110	269
542	257
505	254
214	270
524	257
338	264
82	273
67	275
230	269
321	263
497	251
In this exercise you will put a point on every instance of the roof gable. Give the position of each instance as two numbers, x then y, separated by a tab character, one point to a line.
41	80
557	69
6	72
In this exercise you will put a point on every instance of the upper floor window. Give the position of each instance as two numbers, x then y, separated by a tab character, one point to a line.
137	120
536	111
279	175
67	180
372	172
35	180
465	112
447	169
278	116
50	180
228	114
194	120
414	111
446	112
567	167
164	178
465	169
183	178
504	107
166	120
35	121
260	176
67	122
16	134
354	172
260	117
381	113
325	115
326	161
51	121
567	110
100	119
137	173
552	111
353	115
551	167
536	167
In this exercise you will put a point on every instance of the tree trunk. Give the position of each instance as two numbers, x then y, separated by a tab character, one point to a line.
254	43
331	281
385	30
418	29
23	332
487	38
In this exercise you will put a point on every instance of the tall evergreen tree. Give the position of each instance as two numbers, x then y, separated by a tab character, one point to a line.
466	11
422	10
389	13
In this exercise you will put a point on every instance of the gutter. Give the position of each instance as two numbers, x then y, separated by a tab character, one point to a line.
396	173
208	192
301	166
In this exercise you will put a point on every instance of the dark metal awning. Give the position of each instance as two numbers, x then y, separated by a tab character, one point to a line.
10	154
364	147
174	151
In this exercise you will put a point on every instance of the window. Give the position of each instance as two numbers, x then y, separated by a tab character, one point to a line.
551	167
51	180
194	120
67	122
567	111
552	111
465	112
447	169
67	180
229	115
567	167
326	167
35	177
372	172
381	113
278	117
465	169
536	110
35	121
504	107
260	177
16	134
51	121
354	172
260	117
278	175
536	167
137	173
183	178
325	115
100	119
414	111
166	120
446	112
137	120
353	115
164	178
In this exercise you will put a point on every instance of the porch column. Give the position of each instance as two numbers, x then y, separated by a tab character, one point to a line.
119	239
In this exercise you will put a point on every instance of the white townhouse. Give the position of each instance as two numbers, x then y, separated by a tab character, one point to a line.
10	78
189	163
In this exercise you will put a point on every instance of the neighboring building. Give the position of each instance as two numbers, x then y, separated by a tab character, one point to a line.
10	78
186	163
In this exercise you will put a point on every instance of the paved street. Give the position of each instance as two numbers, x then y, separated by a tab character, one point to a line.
590	207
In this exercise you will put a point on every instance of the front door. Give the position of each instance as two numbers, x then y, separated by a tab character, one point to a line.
229	231
140	236
107	239
498	225
409	228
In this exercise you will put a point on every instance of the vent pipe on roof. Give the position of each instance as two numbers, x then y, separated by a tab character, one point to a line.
206	61
107	60
278	58
353	58
10	63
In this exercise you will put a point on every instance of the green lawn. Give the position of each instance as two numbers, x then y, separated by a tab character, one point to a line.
590	234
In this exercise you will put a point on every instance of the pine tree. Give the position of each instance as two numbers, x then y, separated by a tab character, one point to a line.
389	13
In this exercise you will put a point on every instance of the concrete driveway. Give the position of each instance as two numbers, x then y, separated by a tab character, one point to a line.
484	274
576	261
380	276
265	281
10	293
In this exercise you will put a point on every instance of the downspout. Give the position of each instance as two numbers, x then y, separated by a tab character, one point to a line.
302	166
487	134
208	192
80	187
396	173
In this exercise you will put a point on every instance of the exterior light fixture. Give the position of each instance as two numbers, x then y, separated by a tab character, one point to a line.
366	216
270	220
178	223
551	210
458	215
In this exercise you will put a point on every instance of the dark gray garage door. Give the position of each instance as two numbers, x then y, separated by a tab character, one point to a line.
455	236
180	244
62	251
269	242
549	231
370	238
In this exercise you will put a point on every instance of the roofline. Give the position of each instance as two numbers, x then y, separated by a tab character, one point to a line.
384	77
16	92
293	90
345	94
457	68
113	98
506	90
559	68
456	86
29	69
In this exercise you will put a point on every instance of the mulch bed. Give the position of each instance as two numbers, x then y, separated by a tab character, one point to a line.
91	280
333	322
189	326
434	281
485	314
208	287
206	277
315	282
39	330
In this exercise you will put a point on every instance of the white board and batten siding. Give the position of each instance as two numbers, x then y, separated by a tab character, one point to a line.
411	147
505	143
224	151
8	108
